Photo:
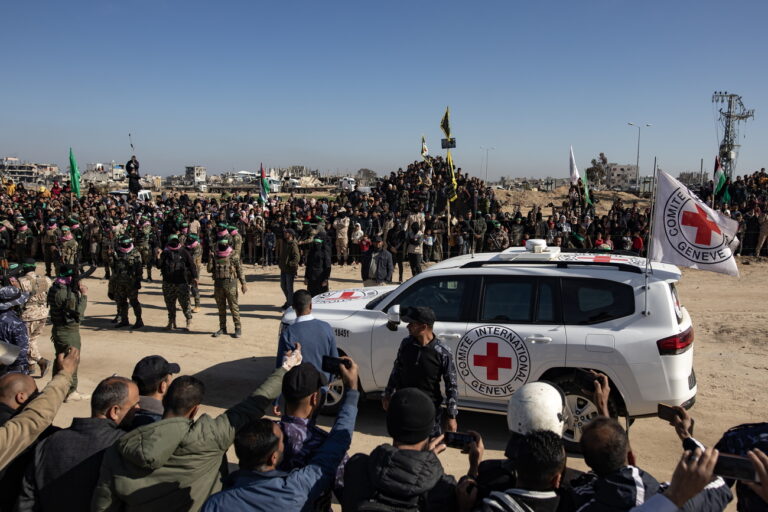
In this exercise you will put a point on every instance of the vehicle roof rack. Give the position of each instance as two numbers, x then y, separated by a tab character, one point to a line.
560	264
617	252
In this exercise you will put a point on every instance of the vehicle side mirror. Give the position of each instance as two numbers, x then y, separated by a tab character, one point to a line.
393	317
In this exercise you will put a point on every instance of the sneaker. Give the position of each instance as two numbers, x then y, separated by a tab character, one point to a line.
76	396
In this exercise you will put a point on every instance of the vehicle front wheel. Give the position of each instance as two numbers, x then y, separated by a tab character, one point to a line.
580	410
334	397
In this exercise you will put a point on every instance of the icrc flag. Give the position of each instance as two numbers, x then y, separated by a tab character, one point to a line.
688	233
574	170
264	192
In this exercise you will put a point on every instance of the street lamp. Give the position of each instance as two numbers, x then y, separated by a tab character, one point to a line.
639	126
487	149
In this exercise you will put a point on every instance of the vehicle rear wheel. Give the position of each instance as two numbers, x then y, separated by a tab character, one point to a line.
580	410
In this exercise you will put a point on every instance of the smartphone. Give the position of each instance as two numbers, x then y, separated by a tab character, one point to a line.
586	378
460	440
735	467
332	364
667	412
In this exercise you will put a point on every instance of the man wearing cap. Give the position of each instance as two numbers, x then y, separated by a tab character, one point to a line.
153	375
407	473
377	266
262	485
422	361
67	300
179	271
12	328
126	281
288	262
304	395
35	312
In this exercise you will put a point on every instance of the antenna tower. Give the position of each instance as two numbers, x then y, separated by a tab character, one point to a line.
730	119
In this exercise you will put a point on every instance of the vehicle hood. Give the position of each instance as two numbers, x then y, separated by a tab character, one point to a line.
339	304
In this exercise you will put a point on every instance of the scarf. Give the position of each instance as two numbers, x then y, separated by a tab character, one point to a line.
222	234
23	228
126	250
64	281
146	223
233	232
74	226
66	237
53	226
224	254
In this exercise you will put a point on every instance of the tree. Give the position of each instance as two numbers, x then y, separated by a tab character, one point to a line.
365	176
598	170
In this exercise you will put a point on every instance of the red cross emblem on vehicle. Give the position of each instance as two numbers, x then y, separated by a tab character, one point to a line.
704	226
492	361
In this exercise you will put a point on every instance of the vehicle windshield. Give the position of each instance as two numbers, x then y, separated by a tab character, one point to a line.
375	302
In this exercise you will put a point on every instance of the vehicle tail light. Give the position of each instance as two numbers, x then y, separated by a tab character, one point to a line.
676	344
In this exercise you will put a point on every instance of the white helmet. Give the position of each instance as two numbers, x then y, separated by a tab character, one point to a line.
536	406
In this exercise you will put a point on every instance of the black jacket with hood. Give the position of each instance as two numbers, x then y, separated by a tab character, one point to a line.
392	474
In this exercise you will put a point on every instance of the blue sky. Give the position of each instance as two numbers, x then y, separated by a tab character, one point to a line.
341	85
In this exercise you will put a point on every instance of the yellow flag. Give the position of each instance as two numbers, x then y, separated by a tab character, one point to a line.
444	124
452	185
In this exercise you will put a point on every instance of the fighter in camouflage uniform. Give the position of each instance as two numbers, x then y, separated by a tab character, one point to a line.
67	300
126	281
178	270
226	271
107	248
143	239
35	312
49	238
67	248
21	241
237	242
195	248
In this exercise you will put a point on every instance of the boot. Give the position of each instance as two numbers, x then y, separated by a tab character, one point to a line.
44	365
107	275
189	324
139	324
171	325
238	333
116	319
123	322
222	330
149	275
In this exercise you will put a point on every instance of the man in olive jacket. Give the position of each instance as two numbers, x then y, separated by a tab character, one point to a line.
173	464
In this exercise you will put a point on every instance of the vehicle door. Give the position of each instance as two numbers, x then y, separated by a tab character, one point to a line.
516	336
450	297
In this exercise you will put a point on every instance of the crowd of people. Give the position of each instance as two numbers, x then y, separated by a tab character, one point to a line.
147	447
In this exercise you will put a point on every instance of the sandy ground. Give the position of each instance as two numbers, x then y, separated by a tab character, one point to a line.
731	345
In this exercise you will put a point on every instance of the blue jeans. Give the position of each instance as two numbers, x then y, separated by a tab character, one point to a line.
286	284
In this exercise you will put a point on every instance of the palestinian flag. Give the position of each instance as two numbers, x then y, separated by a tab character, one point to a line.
264	192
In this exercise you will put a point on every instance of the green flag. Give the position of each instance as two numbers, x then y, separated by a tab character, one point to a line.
587	195
74	174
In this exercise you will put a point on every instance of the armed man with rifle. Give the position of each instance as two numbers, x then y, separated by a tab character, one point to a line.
67	300
178	269
126	281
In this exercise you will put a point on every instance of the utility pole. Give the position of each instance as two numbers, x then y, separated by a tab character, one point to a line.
639	126
730	119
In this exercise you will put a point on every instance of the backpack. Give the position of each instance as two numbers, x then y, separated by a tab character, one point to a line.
382	503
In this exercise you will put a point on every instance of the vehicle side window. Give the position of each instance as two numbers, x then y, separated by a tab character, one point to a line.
445	295
508	301
546	310
591	301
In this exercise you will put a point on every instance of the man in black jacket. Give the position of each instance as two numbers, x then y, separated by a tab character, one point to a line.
377	266
179	270
66	465
132	170
318	269
406	474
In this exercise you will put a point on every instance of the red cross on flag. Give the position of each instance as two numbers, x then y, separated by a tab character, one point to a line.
688	233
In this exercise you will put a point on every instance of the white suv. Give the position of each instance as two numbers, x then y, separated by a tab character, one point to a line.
528	314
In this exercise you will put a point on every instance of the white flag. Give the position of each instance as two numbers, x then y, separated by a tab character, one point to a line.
424	149
689	233
574	170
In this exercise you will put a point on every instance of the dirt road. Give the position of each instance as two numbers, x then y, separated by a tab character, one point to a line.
731	344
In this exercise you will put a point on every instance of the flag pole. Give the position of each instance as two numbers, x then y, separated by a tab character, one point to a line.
648	267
